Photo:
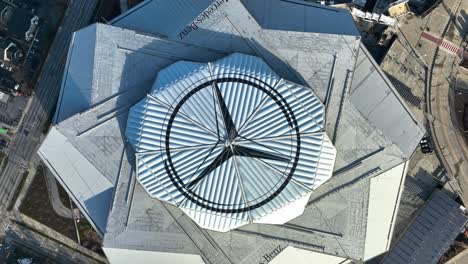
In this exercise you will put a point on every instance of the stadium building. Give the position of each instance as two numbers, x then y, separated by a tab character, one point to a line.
231	131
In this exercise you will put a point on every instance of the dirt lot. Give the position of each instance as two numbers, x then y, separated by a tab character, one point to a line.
89	237
36	205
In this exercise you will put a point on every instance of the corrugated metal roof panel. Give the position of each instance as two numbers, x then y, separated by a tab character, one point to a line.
430	235
239	142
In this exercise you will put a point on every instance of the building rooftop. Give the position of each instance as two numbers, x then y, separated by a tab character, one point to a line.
432	232
112	67
16	20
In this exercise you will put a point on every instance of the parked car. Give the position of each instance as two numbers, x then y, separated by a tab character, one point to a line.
426	145
3	143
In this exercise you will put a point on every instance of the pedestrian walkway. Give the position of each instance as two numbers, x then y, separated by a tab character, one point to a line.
461	258
54	196
443	44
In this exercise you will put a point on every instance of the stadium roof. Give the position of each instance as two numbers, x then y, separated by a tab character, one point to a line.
230	142
110	68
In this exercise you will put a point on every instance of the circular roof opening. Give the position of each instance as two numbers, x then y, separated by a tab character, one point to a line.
230	142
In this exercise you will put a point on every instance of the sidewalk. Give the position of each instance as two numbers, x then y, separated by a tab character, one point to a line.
30	231
450	144
461	258
54	196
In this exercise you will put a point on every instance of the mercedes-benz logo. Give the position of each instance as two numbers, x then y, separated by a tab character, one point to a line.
233	145
230	142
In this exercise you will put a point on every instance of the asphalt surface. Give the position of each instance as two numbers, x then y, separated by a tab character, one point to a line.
42	103
30	235
449	142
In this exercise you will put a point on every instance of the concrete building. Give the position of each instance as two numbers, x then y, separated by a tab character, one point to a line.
144	99
399	8
18	21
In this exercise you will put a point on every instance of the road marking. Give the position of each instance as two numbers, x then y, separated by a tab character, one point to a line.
445	45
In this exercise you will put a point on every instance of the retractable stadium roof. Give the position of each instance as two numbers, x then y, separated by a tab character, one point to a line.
315	50
230	142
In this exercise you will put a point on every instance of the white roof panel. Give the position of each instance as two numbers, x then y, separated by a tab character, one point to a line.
76	174
384	193
301	256
124	256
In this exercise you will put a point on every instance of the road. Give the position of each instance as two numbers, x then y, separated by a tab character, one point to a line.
450	144
42	103
33	236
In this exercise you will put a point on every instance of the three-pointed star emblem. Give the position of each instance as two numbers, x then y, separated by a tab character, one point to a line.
230	147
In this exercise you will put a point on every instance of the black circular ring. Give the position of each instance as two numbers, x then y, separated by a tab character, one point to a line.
286	110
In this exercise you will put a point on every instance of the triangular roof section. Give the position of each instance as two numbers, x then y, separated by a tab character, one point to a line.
302	17
374	96
78	77
174	16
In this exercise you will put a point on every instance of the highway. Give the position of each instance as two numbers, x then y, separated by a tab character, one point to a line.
449	142
42	103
